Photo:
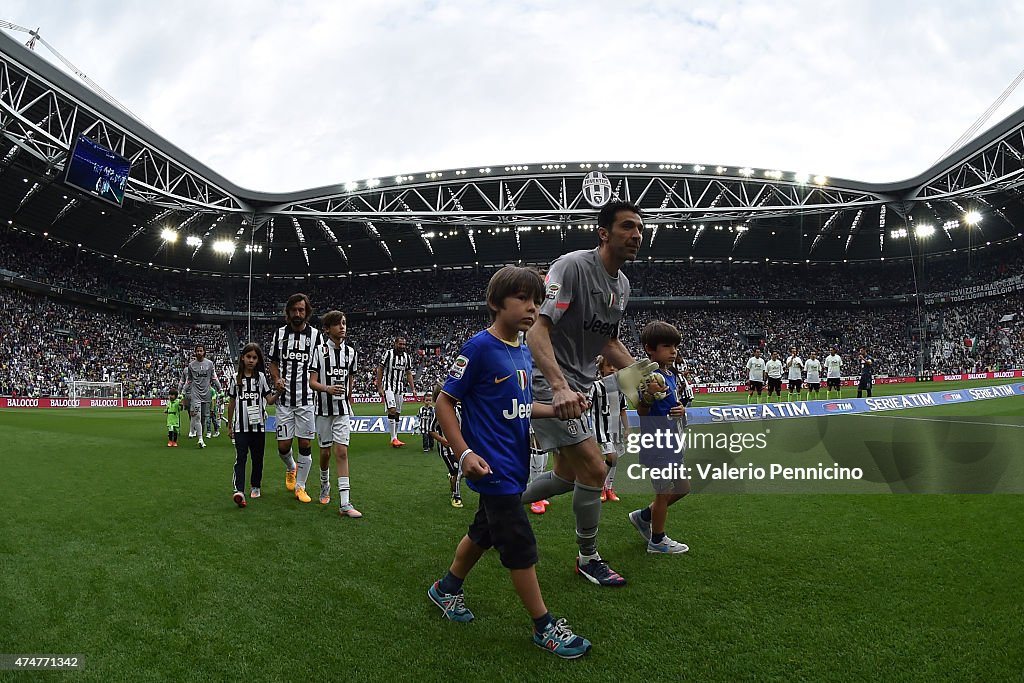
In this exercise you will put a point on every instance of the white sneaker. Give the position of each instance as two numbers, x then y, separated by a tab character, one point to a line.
667	546
191	435
255	493
216	434
202	444
207	435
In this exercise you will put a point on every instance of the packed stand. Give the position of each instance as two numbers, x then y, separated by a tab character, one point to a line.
47	344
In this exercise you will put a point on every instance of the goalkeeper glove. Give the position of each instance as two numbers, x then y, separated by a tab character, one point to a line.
628	379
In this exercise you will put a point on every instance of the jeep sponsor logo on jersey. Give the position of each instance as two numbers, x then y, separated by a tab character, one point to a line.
597	189
296	355
598	326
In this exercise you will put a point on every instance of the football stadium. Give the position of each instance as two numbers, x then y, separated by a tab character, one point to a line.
840	366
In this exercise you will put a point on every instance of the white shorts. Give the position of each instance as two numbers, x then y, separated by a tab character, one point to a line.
295	422
332	429
393	400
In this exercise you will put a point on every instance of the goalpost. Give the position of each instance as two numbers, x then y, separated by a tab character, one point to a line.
97	390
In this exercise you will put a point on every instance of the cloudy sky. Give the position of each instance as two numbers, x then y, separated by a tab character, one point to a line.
280	96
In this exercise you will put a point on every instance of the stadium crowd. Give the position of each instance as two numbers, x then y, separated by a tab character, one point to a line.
48	343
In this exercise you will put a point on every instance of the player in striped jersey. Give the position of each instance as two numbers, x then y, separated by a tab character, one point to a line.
608	415
247	414
290	353
332	373
444	449
390	376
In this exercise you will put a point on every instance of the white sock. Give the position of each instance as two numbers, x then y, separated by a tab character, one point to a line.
325	475
538	463
305	465
287	459
343	491
394	429
609	481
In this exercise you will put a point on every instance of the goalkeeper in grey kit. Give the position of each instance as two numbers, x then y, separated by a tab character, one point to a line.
585	298
199	374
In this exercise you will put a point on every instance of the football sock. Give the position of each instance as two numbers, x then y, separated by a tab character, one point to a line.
305	465
586	505
325	475
657	538
542	622
287	459
538	463
170	436
450	584
394	429
343	491
548	485
645	515
609	481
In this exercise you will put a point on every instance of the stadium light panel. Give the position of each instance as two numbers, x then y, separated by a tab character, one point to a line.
168	235
820	180
351	186
193	241
746	172
972	218
801	178
924	230
224	247
896	234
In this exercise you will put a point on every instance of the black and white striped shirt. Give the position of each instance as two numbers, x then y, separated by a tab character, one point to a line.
606	413
435	426
426	415
251	395
293	351
395	365
333	365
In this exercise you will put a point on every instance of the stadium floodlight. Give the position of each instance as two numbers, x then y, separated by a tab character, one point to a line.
897	234
924	230
820	180
746	172
720	169
801	177
373	182
972	218
193	241
224	247
351	186
169	235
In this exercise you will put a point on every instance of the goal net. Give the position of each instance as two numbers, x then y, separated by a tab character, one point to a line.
97	390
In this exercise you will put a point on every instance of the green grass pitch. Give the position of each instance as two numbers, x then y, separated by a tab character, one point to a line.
117	548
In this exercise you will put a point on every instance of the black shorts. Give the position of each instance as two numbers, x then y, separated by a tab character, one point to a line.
755	386
501	523
833	383
813	386
795	384
774	384
865	385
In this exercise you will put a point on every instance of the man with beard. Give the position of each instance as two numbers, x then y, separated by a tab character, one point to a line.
198	376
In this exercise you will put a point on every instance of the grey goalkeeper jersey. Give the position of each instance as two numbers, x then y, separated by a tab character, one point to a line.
585	305
198	376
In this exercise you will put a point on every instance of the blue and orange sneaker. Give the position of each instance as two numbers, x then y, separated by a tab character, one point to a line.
559	640
453	605
597	571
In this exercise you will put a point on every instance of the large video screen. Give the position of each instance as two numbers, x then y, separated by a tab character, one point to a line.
95	169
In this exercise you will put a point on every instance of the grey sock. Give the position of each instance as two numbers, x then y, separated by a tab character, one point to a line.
547	485
586	505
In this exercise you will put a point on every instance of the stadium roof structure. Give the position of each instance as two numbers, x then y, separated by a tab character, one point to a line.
464	217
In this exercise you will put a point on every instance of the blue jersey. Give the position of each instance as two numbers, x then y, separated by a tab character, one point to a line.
491	379
657	420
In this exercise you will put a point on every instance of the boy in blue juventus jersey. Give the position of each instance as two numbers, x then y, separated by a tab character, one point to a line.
491	380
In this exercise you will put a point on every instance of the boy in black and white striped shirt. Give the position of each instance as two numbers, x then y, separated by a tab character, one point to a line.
426	415
249	394
332	373
608	413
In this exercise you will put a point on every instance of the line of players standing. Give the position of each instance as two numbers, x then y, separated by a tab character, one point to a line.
794	367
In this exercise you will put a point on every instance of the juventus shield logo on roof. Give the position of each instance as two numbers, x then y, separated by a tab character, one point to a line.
597	189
